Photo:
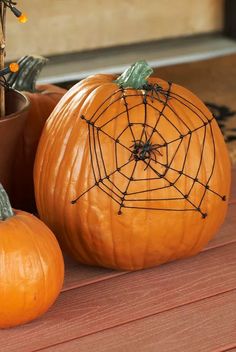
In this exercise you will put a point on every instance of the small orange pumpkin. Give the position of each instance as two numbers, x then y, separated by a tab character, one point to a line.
32	267
132	171
43	99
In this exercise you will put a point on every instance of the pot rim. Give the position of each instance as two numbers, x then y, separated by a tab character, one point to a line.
24	108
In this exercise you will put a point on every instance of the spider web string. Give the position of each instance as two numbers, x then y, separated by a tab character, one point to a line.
143	150
167	96
145	118
126	189
185	196
127	113
201	159
99	181
187	176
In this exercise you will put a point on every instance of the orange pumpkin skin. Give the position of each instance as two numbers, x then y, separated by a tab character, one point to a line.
42	104
31	271
91	229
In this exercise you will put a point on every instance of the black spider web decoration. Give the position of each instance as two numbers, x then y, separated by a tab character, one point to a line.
149	152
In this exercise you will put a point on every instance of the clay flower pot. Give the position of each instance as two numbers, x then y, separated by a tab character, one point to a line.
11	127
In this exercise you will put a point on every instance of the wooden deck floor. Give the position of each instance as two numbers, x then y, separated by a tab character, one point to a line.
188	305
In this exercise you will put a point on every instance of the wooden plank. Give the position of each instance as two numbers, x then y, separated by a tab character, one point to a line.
136	295
207	325
80	275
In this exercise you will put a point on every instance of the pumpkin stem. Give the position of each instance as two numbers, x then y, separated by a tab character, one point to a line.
135	76
5	205
30	68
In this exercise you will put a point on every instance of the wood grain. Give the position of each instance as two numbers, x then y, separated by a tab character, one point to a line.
78	275
132	296
205	326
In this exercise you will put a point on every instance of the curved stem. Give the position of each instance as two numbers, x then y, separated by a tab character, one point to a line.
30	68
135	76
5	205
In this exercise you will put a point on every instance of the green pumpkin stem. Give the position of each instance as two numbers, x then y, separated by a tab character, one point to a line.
135	76
5	205
29	71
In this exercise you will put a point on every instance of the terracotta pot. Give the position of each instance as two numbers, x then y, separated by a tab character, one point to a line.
11	127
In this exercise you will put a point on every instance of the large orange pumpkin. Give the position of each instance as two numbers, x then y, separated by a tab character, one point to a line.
32	267
43	99
132	172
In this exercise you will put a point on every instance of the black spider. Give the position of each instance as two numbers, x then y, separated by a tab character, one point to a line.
156	89
144	150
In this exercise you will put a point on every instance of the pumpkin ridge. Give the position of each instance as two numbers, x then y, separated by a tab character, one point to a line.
45	248
114	254
50	142
28	231
43	145
205	197
201	164
98	252
190	126
82	105
160	114
69	241
94	245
